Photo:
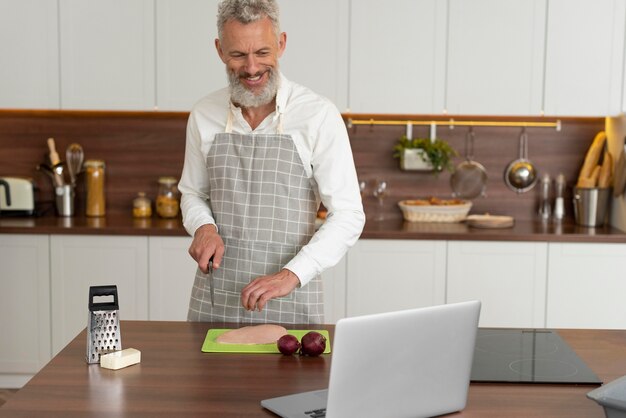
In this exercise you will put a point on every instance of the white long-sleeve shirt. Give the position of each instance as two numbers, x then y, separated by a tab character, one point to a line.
319	135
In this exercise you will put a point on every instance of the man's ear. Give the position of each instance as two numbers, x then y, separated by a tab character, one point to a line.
282	43
218	47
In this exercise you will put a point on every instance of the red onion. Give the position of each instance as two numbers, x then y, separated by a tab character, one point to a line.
288	344
313	344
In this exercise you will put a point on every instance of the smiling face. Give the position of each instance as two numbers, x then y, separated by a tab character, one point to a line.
251	52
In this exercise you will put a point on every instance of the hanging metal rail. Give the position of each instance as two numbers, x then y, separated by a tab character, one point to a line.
452	123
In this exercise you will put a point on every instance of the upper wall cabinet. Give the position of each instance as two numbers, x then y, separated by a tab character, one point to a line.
584	57
29	47
107	54
188	66
317	46
495	57
397	56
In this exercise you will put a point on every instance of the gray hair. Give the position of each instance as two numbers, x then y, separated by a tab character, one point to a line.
247	11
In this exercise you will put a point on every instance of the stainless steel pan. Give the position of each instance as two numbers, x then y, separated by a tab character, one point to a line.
521	175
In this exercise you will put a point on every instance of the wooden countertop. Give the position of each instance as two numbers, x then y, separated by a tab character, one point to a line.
112	224
175	378
122	224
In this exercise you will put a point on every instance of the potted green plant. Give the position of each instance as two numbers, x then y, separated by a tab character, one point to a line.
423	154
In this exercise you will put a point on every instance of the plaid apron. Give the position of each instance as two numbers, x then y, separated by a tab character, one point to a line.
265	208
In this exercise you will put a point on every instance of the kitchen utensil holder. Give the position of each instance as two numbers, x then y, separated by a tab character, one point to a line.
103	325
591	205
64	198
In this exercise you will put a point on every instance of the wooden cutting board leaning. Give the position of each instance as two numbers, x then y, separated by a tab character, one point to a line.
593	172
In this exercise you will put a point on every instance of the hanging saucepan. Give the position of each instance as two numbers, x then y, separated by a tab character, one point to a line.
521	175
469	179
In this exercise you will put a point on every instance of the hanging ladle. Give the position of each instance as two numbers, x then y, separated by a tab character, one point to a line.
521	175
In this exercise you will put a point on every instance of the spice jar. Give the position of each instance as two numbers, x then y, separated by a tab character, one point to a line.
142	207
167	203
94	182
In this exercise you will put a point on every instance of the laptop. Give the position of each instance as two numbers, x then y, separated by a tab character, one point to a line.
411	363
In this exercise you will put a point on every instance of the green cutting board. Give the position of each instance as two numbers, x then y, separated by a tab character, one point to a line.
210	346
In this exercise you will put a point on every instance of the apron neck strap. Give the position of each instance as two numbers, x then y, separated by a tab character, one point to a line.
229	122
279	127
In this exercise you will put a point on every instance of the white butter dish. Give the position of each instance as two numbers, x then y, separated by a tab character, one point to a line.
120	359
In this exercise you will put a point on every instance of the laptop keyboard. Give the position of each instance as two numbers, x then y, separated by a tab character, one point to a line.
317	413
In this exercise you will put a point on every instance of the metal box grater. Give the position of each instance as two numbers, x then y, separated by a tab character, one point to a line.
103	325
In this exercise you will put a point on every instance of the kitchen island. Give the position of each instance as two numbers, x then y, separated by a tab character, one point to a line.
175	379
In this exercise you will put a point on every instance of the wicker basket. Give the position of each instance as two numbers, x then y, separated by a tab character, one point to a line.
434	213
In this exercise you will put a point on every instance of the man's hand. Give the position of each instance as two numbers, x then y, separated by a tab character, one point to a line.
259	291
207	243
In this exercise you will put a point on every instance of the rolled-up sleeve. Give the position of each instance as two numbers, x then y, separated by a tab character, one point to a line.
194	182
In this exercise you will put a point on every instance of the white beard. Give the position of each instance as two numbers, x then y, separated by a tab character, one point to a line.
240	95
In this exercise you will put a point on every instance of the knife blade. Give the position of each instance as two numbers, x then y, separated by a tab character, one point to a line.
211	282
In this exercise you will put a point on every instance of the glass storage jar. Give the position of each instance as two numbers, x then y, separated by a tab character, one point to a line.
167	201
94	182
142	207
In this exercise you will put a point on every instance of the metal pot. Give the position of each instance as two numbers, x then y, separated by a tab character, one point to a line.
521	175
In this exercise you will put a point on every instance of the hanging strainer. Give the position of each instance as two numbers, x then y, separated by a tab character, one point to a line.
469	179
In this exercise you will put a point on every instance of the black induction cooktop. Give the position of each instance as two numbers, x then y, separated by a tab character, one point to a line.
527	356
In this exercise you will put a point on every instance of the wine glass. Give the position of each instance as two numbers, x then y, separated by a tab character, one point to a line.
380	192
363	188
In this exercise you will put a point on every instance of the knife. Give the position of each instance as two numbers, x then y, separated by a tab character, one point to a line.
211	282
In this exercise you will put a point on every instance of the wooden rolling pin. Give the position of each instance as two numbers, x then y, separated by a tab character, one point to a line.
54	160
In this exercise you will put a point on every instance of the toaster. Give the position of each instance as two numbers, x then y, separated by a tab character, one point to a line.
17	196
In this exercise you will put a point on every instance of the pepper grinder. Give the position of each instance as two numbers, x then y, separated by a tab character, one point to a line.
559	206
544	203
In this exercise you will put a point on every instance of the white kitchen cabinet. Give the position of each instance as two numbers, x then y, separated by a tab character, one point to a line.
188	66
24	307
317	46
29	52
397	56
334	282
390	275
584	57
172	272
495	57
80	261
107	54
509	278
587	286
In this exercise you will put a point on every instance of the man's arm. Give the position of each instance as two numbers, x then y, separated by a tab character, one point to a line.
197	216
335	175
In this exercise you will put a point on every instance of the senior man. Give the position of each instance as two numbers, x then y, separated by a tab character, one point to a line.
260	156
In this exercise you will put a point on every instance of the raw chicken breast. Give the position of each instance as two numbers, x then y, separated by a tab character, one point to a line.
253	334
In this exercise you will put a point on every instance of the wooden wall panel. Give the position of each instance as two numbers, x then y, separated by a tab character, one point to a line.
136	147
139	147
552	152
